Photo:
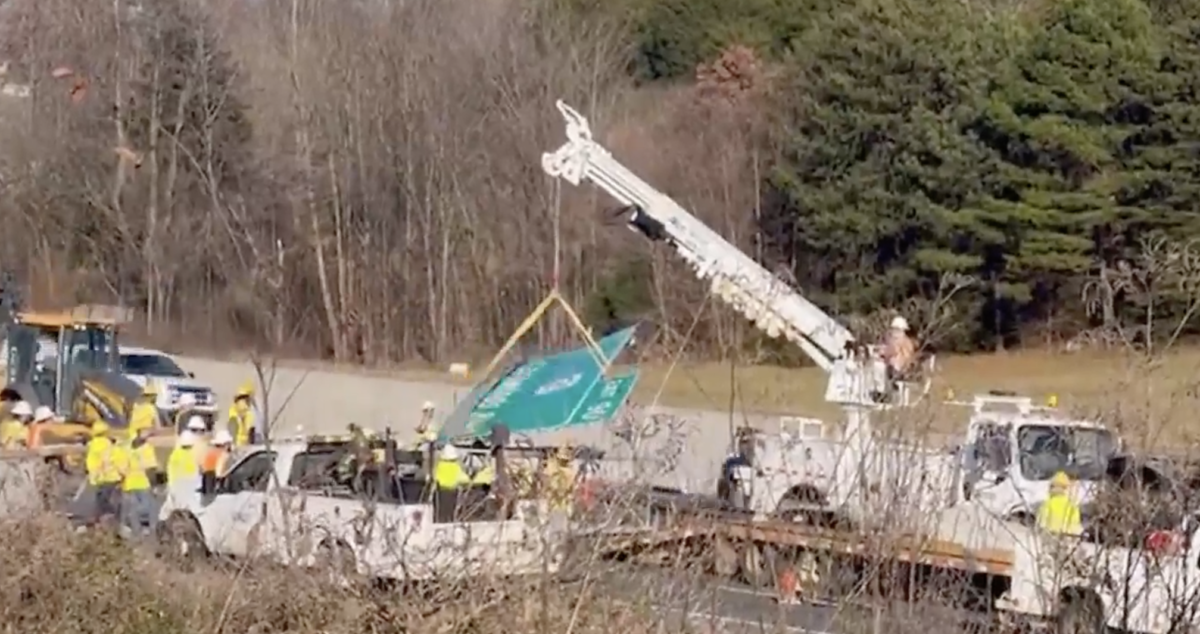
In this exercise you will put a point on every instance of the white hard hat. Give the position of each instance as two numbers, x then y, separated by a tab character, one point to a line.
427	407
222	437
187	399
186	439
449	452
196	423
42	413
899	323
22	408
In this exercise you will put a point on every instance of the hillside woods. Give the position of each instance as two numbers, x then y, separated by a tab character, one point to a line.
362	179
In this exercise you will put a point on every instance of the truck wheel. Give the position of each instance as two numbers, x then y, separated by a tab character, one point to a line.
725	559
180	541
1079	612
757	568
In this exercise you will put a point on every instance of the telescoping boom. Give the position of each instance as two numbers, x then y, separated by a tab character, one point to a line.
775	308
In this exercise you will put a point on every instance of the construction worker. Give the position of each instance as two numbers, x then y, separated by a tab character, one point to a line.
144	413
426	431
13	431
42	416
486	474
448	472
559	478
185	409
103	476
136	462
181	464
216	458
199	431
241	414
1059	515
899	350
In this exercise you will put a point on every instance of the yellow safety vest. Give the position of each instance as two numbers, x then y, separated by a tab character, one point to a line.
12	434
486	475
424	438
143	416
449	474
241	421
100	462
134	464
181	464
1059	515
560	485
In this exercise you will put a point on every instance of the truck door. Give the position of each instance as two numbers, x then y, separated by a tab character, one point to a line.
987	480
233	515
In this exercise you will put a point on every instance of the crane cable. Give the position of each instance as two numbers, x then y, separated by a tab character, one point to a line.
553	297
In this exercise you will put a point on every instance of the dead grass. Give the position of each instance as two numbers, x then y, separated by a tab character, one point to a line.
1150	401
1153	402
59	582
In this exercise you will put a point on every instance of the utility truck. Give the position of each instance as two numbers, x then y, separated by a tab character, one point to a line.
856	475
292	503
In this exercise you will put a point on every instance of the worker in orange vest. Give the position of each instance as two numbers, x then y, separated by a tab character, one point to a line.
42	416
216	459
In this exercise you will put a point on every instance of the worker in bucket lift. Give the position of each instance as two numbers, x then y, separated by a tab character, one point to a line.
136	461
144	414
13	433
899	350
426	432
448	472
1059	514
241	415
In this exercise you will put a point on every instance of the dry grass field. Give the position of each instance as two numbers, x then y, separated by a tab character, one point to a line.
1152	401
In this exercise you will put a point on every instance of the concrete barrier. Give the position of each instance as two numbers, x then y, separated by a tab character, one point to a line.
320	401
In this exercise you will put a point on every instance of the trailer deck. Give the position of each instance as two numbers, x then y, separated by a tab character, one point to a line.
957	540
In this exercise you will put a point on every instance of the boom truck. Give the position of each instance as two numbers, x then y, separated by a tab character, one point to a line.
978	495
1012	448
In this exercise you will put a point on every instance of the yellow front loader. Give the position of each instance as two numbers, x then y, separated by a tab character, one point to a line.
69	361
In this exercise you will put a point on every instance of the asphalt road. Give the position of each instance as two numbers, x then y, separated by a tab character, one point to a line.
719	605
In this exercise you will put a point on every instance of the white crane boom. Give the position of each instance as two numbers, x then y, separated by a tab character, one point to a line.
773	306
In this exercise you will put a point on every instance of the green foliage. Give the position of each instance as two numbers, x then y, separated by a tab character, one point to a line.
621	297
875	160
675	35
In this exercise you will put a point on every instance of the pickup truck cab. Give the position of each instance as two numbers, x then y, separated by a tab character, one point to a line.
1079	585
145	365
285	503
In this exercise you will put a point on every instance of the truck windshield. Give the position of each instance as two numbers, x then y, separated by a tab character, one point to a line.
1082	452
150	365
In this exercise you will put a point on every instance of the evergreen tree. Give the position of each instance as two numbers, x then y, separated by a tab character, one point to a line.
1061	110
875	161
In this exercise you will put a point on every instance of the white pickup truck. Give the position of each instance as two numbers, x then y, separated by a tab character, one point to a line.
1085	587
281	503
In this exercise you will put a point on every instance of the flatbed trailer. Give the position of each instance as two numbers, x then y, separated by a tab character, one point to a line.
758	552
1031	579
